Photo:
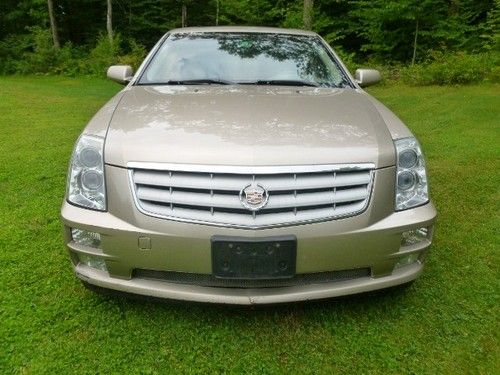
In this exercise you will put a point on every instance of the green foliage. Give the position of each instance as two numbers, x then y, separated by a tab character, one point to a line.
44	57
292	15
71	59
34	53
12	49
490	30
136	55
381	32
104	54
253	13
107	53
459	68
347	58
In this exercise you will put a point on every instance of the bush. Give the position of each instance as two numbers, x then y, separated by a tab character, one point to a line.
34	53
29	53
136	55
12	49
103	55
44	58
69	60
347	58
107	53
449	69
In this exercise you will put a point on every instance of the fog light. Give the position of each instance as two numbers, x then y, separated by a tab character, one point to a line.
407	260
84	237
92	261
413	237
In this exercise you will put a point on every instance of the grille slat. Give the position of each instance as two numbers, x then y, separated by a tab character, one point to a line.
247	219
214	198
232	201
237	182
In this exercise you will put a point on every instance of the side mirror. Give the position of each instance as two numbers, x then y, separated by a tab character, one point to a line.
120	73
367	77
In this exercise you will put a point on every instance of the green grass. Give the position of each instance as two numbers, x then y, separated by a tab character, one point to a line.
447	322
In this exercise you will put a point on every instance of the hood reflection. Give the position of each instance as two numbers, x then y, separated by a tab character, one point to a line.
247	115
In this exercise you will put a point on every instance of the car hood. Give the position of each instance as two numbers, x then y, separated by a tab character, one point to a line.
247	125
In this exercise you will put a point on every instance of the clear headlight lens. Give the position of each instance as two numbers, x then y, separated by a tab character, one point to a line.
411	177
86	185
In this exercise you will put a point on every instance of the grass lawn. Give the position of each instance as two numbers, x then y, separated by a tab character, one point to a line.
447	322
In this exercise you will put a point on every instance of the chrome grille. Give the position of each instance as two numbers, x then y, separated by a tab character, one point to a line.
297	194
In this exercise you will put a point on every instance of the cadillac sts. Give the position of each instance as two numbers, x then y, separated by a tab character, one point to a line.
246	165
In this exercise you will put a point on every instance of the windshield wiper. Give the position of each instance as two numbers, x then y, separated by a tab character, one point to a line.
197	82
282	82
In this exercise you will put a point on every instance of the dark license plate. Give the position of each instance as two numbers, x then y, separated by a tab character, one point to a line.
256	258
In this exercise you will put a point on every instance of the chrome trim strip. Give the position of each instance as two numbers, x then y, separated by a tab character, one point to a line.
250	227
241	169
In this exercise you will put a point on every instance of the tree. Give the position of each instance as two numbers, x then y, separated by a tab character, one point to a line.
415	44
216	12
53	25
184	16
308	14
109	21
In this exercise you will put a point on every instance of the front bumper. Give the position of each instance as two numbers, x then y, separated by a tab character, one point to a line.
237	296
131	240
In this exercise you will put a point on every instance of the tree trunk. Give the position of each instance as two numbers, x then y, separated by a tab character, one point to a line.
53	25
184	16
415	45
308	14
217	13
109	21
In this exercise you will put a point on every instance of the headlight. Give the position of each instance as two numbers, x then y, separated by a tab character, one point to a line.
411	178
86	184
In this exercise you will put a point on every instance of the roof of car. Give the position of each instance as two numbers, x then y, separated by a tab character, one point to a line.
241	29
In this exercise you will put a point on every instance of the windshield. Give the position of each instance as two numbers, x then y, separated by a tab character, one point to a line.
244	58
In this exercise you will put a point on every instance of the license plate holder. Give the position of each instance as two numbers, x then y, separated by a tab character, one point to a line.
254	258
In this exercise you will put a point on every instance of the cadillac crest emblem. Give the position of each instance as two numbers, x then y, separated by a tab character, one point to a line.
253	197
